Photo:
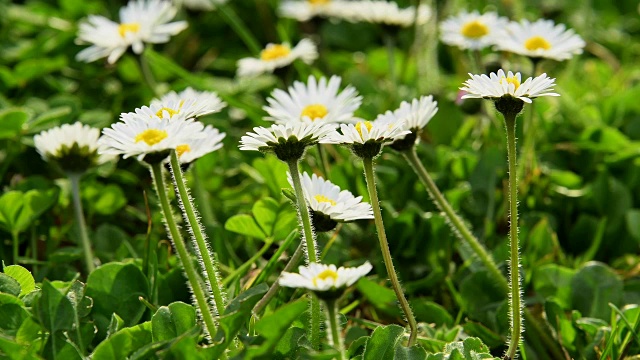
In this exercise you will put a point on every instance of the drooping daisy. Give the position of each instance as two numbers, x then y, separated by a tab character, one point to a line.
141	21
330	205
194	148
304	10
496	86
72	147
540	39
472	30
381	12
276	56
412	117
324	279
366	138
287	141
188	103
317	101
141	136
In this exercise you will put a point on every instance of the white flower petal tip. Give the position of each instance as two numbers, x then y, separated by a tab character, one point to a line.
322	278
276	56
540	39
186	104
499	84
316	101
413	115
141	21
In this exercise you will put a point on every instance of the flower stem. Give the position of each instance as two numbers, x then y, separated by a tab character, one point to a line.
332	318
190	215
323	161
181	249
310	247
386	254
82	226
456	223
514	263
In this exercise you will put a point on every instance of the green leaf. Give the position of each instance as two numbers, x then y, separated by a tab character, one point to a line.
12	315
554	280
236	315
276	220
18	210
11	122
632	218
115	288
469	349
381	345
23	277
273	172
431	312
272	327
124	343
289	344
172	321
9	285
244	224
382	298
56	314
14	351
116	324
593	287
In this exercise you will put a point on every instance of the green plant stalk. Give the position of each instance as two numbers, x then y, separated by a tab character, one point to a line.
323	161
310	247
239	27
195	228
202	197
515	303
273	290
334	334
457	224
386	254
82	226
181	249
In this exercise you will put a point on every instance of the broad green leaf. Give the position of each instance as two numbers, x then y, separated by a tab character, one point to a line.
483	300
11	122
469	349
265	211
104	199
593	287
15	351
431	312
23	277
55	312
559	321
18	210
244	224
12	315
289	344
116	324
9	285
632	218
382	298
382	343
124	343
172	321
30	333
273	172
272	327
554	280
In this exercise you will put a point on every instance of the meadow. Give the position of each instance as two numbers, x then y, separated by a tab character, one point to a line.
319	179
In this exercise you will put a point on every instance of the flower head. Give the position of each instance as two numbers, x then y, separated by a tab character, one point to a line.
381	12
73	147
141	21
203	5
412	117
324	280
287	141
540	39
472	30
276	56
194	148
307	9
317	101
186	104
330	205
142	136
366	138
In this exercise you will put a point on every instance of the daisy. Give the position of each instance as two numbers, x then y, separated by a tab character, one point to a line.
381	12
141	21
188	103
276	56
73	147
141	136
307	9
540	39
194	148
496	86
366	138
329	204
287	141
472	30
315	101
412	117
322	278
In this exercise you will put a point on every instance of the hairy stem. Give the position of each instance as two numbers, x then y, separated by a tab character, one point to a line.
334	328
82	226
190	215
386	254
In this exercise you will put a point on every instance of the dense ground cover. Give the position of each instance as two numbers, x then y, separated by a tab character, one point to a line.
579	223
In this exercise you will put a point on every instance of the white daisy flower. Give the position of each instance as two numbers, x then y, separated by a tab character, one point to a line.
188	103
320	277
412	116
276	56
202	5
495	86
307	9
331	205
540	39
140	136
367	131
73	147
195	148
380	12
141	21
472	30
317	100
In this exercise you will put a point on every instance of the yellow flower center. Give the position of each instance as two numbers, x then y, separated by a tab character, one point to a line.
366	124
328	273
322	198
318	2
169	110
537	42
151	136
274	51
314	111
128	27
474	29
181	149
511	80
